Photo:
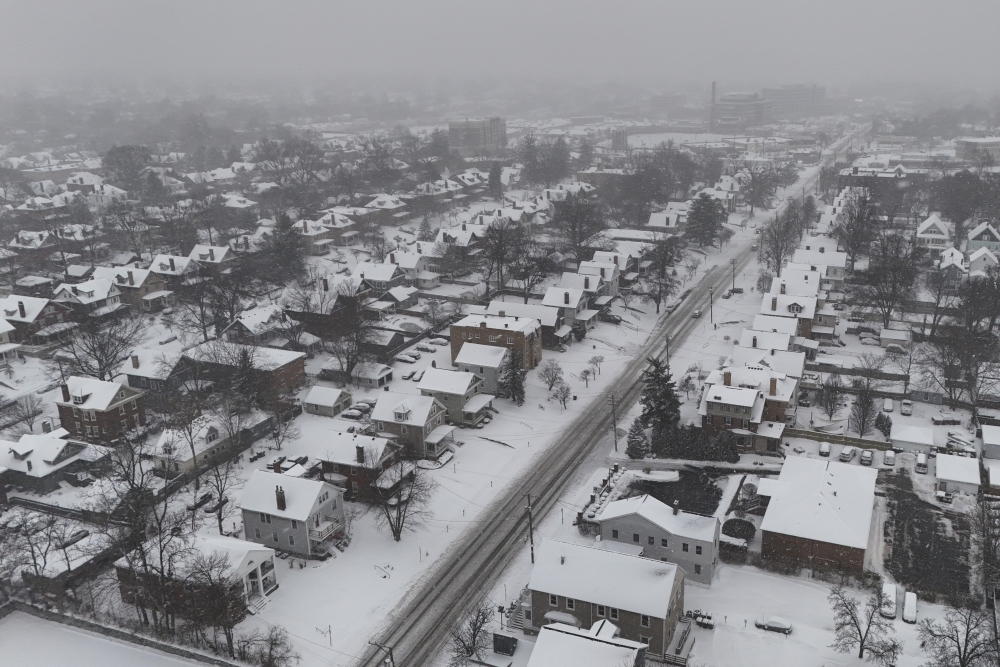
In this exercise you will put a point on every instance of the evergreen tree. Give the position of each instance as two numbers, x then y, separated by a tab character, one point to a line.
586	154
426	232
528	153
883	423
705	219
637	447
510	383
494	183
661	408
285	252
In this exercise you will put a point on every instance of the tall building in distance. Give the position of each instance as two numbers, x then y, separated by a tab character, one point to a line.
737	111
795	99
619	139
476	133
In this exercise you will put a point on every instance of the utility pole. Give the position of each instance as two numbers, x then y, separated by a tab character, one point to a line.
733	262
711	316
387	649
614	420
531	530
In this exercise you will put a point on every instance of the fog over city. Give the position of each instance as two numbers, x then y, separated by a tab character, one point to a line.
503	334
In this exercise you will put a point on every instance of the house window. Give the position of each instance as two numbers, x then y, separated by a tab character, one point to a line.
601	611
493	339
265	518
663	542
570	603
650	541
463	335
477	336
404	430
644	621
291	540
697	550
295	525
274	535
729	421
121	409
553	602
510	341
614	614
256	533
697	569
684	547
381	427
614	534
635	537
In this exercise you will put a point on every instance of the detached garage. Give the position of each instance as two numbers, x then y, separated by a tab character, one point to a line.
958	474
917	439
991	442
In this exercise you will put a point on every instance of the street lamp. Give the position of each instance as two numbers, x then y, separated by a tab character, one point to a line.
711	319
733	262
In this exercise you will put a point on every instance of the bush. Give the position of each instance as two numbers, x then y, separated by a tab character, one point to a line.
740	528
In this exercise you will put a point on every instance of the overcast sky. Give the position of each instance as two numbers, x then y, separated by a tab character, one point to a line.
659	41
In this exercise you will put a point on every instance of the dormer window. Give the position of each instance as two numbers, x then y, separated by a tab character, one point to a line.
79	399
794	308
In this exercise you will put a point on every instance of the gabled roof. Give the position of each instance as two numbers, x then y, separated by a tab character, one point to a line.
576	281
96	394
559	645
324	396
733	395
631	583
987	228
207	254
595	269
340	447
682	524
488	356
33	307
441	380
933	226
152	364
508	323
38	455
825	501
226	354
764	340
90	291
556	297
300	494
984	253
372	271
782	362
120	275
788	305
258	320
416	408
182	265
546	315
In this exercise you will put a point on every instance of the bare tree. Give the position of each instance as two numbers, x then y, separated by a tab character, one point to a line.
217	600
194	312
27	410
562	393
855	229
282	427
778	240
126	223
99	349
550	373
596	362
586	375
185	424
936	284
963	639
272	648
531	265
223	480
400	497
861	626
863	412
471	639
829	396
890	276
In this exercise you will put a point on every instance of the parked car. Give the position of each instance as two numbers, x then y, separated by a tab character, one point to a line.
774	624
888	608
824	449
848	453
944	497
889	458
737	290
437	341
408	374
612	318
921	465
867	457
413	353
910	608
696	314
887	405
726	294
804	402
869	341
418	376
838	306
367	401
946	418
753	247
363	408
73	539
406	359
353	415
906	407
426	348
202	500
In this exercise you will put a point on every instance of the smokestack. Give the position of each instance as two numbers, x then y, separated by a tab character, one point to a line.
65	392
276	466
392	258
279	496
774	387
360	453
20	309
135	361
727	378
586	282
774	303
326	285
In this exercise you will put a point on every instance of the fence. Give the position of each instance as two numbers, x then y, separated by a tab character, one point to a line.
836	439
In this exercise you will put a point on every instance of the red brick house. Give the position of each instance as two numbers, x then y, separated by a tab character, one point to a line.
519	334
36	320
354	462
98	411
278	371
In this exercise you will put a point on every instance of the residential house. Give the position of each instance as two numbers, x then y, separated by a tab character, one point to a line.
256	326
176	270
801	308
572	305
8	350
417	269
485	361
175	453
957	474
933	236
326	401
608	273
39	462
752	401
600	646
142	289
951	265
835	263
277	371
293	514
157	373
317	238
581	585
688	540
554	330
99	411
461	393
591	286
36	321
387	209
355	462
467	236
98	297
380	278
77	273
982	261
819	514
402	298
522	335
416	422
984	235
212	257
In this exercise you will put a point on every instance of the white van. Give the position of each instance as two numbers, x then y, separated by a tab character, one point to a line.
888	608
887	405
906	407
848	453
921	466
824	449
910	608
889	458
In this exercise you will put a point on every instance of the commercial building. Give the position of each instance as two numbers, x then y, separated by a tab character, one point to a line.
794	99
740	110
968	148
476	133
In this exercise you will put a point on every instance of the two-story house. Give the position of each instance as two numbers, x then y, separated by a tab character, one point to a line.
213	258
293	514
276	370
380	278
96	297
176	270
592	286
461	393
256	326
984	235
36	321
835	264
800	308
416	422
417	268
752	401
599	646
608	273
156	372
355	462
485	361
572	305
582	585
141	289
554	329
521	335
665	533
982	261
933	236
99	411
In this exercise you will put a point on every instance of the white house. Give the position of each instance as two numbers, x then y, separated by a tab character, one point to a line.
957	474
934	235
326	401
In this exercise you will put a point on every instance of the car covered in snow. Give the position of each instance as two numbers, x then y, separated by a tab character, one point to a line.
774	624
353	415
406	359
696	314
437	341
426	348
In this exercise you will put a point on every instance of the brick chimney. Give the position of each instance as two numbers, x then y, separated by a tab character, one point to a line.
276	467
463	226
279	496
755	341
586	282
482	325
65	392
20	309
131	279
326	285
774	387
503	313
566	298
392	258
774	303
727	378
172	268
782	288
135	361
677	507
360	453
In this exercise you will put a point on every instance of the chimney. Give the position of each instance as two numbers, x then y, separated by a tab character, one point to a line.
29	464
602	272
279	495
131	279
772	351
782	288
774	303
677	507
727	378
172	264
755	341
615	259
463	226
75	290
503	313
276	466
482	325
246	242
392	258
20	309
360	453
434	364
566	298
326	285
774	387
211	255
65	392
135	361
586	282
822	249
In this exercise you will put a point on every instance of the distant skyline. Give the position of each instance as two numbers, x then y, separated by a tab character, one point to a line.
657	43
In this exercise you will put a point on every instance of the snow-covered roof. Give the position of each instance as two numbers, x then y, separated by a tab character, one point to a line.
406	260
440	380
93	394
301	495
815	257
210	254
372	271
720	393
984	253
764	340
225	353
558	297
962	469
243	556
987	228
991	434
598	576
259	320
559	644
782	362
825	501
412	410
147	363
341	447
90	291
38	455
401	293
33	307
546	315
776	324
515	323
683	524
787	305
324	396
488	356
918	435
933	226
120	275
181	265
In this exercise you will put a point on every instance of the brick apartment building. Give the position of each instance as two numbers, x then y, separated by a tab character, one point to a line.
521	335
98	411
